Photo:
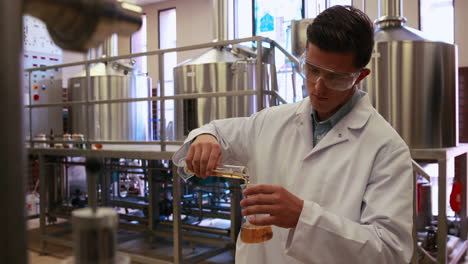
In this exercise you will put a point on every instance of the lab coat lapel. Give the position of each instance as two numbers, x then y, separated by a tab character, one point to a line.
303	123
336	135
340	133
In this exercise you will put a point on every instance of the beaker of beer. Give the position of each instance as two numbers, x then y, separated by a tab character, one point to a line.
251	233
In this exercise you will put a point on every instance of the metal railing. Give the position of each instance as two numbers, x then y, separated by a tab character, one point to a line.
162	142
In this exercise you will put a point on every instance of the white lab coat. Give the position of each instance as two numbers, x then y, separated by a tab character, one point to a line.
356	184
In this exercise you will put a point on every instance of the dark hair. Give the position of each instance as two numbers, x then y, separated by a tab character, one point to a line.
343	29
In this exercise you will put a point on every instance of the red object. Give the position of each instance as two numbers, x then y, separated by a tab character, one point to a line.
36	97
455	197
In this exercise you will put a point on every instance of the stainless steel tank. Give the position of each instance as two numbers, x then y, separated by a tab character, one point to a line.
115	121
299	35
218	70
413	84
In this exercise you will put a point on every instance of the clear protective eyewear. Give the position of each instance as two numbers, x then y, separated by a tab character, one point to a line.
332	79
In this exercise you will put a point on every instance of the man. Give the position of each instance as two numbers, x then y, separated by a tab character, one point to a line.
334	176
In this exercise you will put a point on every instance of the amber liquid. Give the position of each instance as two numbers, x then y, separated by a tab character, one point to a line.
255	234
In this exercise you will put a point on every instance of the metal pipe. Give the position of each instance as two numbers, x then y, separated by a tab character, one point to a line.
42	200
156	52
211	230
162	120
258	75
177	229
420	170
220	20
88	92
442	228
463	170
30	97
390	13
159	98
12	156
116	142
390	8
111	166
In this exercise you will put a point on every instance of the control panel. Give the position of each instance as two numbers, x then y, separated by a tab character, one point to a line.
41	86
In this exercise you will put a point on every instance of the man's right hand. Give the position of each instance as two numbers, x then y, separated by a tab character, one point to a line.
204	155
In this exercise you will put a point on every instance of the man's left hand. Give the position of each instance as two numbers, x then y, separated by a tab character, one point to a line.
283	207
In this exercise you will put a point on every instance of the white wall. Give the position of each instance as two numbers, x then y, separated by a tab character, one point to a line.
461	31
123	45
194	26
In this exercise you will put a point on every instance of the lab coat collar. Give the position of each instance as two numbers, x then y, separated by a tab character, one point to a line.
359	115
354	120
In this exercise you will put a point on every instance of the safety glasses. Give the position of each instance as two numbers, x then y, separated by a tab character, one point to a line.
332	79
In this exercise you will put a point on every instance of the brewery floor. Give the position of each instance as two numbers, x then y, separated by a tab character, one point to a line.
55	253
36	258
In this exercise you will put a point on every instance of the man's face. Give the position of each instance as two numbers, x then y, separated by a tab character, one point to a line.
324	100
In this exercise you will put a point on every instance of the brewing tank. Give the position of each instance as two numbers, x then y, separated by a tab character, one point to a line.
413	84
111	121
219	69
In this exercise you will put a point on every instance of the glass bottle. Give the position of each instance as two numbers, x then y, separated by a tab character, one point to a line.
251	233
224	171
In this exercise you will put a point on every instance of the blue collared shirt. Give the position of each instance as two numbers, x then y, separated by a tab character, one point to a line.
321	128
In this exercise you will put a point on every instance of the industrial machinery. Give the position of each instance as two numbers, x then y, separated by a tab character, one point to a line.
139	183
110	106
413	85
46	85
413	82
92	22
116	121
138	178
221	69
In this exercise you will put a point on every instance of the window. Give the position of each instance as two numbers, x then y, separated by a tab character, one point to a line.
314	7
437	19
167	40
243	19
331	3
272	19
